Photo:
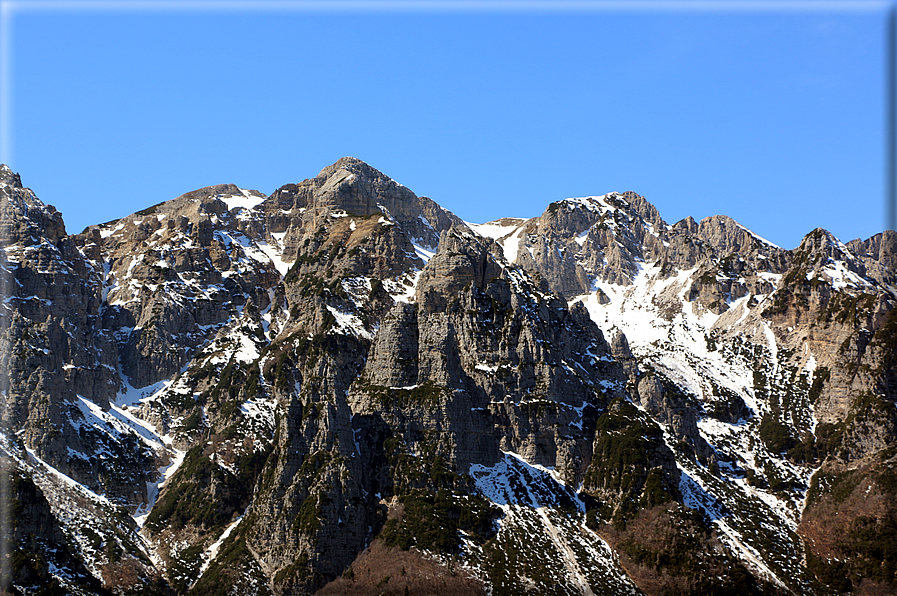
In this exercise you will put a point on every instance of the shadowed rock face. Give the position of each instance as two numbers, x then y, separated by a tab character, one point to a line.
37	541
53	347
326	377
499	346
461	261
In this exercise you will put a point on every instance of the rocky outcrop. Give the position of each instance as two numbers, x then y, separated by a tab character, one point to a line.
354	188
37	541
496	356
276	391
176	272
577	240
578	244
55	350
879	255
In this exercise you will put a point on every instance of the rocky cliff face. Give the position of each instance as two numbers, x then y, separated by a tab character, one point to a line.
59	360
236	393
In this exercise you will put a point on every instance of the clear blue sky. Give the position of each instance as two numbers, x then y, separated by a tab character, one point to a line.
773	117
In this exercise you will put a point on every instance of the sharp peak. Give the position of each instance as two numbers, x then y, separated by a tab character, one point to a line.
593	198
627	199
822	241
352	164
7	176
724	221
720	217
347	160
819	234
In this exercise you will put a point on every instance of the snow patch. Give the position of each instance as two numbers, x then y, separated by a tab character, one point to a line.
348	324
425	254
841	277
246	200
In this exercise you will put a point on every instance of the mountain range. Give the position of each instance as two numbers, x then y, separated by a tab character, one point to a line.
343	388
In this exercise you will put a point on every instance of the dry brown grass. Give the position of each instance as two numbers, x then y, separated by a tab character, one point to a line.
826	522
667	550
849	529
381	570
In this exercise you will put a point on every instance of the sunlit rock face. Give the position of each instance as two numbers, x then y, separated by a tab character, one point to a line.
343	387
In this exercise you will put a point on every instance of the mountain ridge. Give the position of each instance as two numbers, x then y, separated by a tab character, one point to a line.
248	392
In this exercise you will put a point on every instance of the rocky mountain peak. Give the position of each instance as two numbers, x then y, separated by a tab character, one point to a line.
8	177
578	240
462	259
353	186
687	225
209	192
881	247
348	163
644	208
822	241
726	236
879	253
25	219
254	394
820	251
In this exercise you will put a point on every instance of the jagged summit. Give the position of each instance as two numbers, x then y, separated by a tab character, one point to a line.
7	176
25	219
349	163
342	387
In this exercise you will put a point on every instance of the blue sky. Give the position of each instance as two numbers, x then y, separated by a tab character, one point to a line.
773	116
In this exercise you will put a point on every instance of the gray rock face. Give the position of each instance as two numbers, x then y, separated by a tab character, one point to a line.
578	239
55	350
355	188
37	541
879	255
830	303
462	261
669	407
344	361
506	366
578	242
176	272
396	351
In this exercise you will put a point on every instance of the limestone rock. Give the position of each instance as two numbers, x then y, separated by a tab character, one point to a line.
267	387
